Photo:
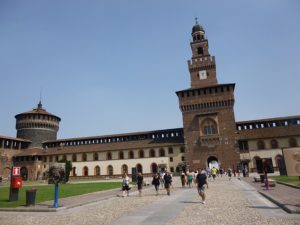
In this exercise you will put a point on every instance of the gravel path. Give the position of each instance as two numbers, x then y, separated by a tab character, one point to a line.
99	213
227	204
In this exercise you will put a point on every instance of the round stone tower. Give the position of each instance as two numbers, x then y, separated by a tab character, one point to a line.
37	126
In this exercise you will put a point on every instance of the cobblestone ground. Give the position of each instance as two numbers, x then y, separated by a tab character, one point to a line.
99	213
226	204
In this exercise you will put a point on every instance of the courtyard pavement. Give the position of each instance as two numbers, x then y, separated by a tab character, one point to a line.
228	202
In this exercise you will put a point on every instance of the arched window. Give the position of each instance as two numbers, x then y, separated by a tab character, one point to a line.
154	168
259	164
124	169
96	156
64	158
293	142
182	149
139	168
161	152
141	154
84	157
170	150
209	127
274	144
74	158
108	156
74	171
97	171
110	170
121	155
260	145
152	153
56	158
200	50
85	171
131	155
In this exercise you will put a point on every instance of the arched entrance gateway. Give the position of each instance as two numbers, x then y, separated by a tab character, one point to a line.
212	161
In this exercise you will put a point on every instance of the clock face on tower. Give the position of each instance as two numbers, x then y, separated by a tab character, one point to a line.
202	75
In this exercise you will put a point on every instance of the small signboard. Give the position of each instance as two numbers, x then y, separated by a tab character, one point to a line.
16	171
292	161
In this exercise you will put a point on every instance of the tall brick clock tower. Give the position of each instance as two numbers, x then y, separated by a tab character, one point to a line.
207	111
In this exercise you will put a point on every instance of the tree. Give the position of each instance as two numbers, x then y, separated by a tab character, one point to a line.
68	167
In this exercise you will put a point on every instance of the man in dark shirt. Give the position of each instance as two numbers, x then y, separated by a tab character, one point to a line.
202	180
140	182
168	182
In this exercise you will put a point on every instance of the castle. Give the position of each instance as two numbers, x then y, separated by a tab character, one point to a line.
210	135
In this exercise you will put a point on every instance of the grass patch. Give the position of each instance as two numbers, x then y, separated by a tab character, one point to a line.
46	192
286	179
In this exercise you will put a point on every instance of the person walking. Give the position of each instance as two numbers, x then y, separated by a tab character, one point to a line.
214	173
183	179
140	183
190	179
229	173
162	181
202	180
168	182
125	185
156	182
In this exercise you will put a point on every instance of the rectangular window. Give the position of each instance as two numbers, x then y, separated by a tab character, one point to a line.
243	145
182	158
208	130
171	159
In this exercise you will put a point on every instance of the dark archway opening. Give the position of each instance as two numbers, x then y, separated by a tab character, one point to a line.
212	161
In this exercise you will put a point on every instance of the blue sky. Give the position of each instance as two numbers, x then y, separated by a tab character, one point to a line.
108	67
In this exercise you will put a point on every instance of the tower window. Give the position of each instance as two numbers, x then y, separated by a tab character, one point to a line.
200	51
209	127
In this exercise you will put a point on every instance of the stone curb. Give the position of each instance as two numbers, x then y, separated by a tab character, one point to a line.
280	204
286	184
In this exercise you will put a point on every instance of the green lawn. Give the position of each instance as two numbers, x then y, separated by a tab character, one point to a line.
46	192
286	179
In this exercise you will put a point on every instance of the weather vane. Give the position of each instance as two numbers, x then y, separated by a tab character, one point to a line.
196	19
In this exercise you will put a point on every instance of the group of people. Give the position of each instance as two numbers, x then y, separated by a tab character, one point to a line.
164	179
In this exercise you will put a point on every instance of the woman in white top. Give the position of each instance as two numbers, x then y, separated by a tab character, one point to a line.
125	185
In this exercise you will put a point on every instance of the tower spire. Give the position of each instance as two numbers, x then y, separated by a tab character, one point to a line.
40	106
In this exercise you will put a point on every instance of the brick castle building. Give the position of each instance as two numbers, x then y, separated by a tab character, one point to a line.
210	135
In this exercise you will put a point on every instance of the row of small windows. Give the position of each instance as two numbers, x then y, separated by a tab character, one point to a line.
160	135
243	145
131	155
12	144
204	91
274	143
35	125
207	105
38	116
110	170
270	124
